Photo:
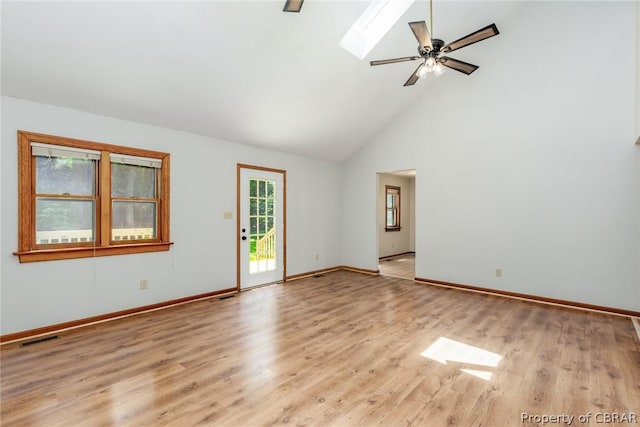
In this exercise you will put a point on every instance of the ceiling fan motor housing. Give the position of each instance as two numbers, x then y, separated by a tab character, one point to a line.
426	52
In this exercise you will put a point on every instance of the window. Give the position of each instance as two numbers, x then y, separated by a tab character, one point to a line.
134	198
262	231
81	199
65	195
392	208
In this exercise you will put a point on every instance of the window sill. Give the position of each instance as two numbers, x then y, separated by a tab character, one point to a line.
392	229
87	252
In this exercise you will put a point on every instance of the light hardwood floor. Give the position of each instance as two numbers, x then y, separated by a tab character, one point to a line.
343	349
398	266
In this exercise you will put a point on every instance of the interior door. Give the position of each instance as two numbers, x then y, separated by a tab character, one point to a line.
261	226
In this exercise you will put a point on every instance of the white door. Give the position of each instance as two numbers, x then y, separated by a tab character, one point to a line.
261	225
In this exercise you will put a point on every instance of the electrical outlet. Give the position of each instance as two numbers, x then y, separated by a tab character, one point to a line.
317	257
498	272
144	284
227	215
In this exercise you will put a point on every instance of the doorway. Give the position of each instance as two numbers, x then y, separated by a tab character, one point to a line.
395	226
261	226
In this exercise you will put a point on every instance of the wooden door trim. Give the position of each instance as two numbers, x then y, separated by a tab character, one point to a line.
239	168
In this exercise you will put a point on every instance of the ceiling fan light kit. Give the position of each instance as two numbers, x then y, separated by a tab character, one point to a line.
432	51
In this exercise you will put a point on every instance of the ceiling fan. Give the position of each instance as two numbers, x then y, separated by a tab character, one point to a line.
433	51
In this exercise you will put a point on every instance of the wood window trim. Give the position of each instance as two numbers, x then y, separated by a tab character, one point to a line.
386	207
103	246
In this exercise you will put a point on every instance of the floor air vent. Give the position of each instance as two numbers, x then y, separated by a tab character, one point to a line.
227	296
39	340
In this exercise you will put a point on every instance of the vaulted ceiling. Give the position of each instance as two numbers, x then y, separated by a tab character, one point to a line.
240	71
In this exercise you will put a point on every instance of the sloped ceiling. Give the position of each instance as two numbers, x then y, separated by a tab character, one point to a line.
236	70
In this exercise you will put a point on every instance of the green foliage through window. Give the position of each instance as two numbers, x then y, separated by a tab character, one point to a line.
262	213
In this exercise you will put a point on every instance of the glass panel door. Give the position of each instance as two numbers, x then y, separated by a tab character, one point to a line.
261	226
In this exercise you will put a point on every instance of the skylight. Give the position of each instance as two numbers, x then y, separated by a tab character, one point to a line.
372	25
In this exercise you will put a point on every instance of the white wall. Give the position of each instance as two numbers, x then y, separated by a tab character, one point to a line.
395	242
203	186
527	164
637	91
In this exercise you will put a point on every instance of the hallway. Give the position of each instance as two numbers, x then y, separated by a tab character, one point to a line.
401	266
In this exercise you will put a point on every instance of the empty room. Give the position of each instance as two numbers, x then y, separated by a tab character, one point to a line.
320	213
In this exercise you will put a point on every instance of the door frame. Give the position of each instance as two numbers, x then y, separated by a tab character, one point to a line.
381	217
239	168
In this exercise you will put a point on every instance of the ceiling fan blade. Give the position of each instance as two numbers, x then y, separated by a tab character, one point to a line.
293	6
394	60
454	64
475	37
414	77
421	31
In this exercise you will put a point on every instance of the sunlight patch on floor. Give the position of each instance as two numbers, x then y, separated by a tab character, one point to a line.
636	324
445	350
485	375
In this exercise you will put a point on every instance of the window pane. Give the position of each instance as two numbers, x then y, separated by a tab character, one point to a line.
64	220
65	175
390	218
133	220
270	207
271	185
132	181
253	229
392	200
262	206
261	188
252	248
